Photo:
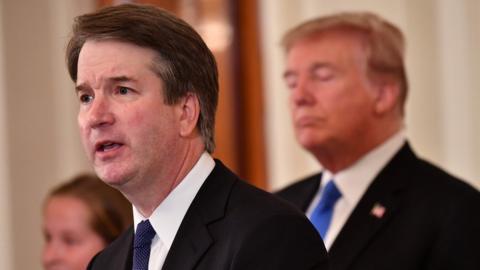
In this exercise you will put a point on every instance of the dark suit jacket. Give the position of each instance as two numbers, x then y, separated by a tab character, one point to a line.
231	225
432	220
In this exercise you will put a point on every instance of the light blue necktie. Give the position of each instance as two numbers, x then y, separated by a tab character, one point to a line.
141	245
322	214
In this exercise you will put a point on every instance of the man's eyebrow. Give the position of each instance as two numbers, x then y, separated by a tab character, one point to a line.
81	87
115	79
313	67
121	79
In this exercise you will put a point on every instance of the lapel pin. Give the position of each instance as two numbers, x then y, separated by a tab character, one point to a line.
378	210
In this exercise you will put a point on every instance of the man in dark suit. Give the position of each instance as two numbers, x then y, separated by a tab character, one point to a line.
148	90
376	204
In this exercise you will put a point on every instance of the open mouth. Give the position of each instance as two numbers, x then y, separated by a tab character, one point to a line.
107	146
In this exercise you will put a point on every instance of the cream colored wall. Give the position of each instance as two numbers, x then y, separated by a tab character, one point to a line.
443	65
458	43
5	226
39	145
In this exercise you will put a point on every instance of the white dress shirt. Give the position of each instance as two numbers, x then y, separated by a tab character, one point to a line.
354	181
168	216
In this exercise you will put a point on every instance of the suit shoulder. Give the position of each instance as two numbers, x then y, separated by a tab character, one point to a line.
443	182
247	197
223	187
433	190
286	241
265	222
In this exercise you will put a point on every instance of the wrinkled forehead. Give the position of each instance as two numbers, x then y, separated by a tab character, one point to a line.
102	59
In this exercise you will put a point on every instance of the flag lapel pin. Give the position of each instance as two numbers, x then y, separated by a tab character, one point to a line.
378	210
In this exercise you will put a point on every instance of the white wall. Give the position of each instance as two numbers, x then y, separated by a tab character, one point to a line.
443	65
39	145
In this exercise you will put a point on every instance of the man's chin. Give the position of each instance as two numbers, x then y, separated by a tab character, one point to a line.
309	141
112	178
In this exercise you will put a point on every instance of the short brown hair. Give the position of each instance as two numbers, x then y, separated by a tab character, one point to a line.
384	42
111	213
183	62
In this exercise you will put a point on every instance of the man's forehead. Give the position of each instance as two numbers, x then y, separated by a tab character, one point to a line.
114	53
328	38
324	50
112	61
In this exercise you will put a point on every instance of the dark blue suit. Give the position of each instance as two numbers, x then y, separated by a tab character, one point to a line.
232	225
432	220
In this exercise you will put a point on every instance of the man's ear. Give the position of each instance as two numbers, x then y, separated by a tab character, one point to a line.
387	96
189	114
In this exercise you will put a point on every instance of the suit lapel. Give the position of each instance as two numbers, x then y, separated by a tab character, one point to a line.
193	238
377	206
301	193
310	189
191	242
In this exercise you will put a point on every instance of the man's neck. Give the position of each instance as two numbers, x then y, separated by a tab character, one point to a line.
342	156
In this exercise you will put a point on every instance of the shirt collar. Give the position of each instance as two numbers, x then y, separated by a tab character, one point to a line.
168	216
354	180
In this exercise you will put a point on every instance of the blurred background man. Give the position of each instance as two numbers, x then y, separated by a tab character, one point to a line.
375	204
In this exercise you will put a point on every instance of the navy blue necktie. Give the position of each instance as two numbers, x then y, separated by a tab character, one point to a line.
141	245
322	214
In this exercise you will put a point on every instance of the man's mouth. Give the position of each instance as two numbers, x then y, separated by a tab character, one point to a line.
305	122
107	146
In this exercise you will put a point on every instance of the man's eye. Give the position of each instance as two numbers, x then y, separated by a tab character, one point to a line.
291	82
323	74
123	90
85	98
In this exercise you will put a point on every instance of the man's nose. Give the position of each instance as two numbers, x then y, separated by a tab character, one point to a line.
99	114
302	93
